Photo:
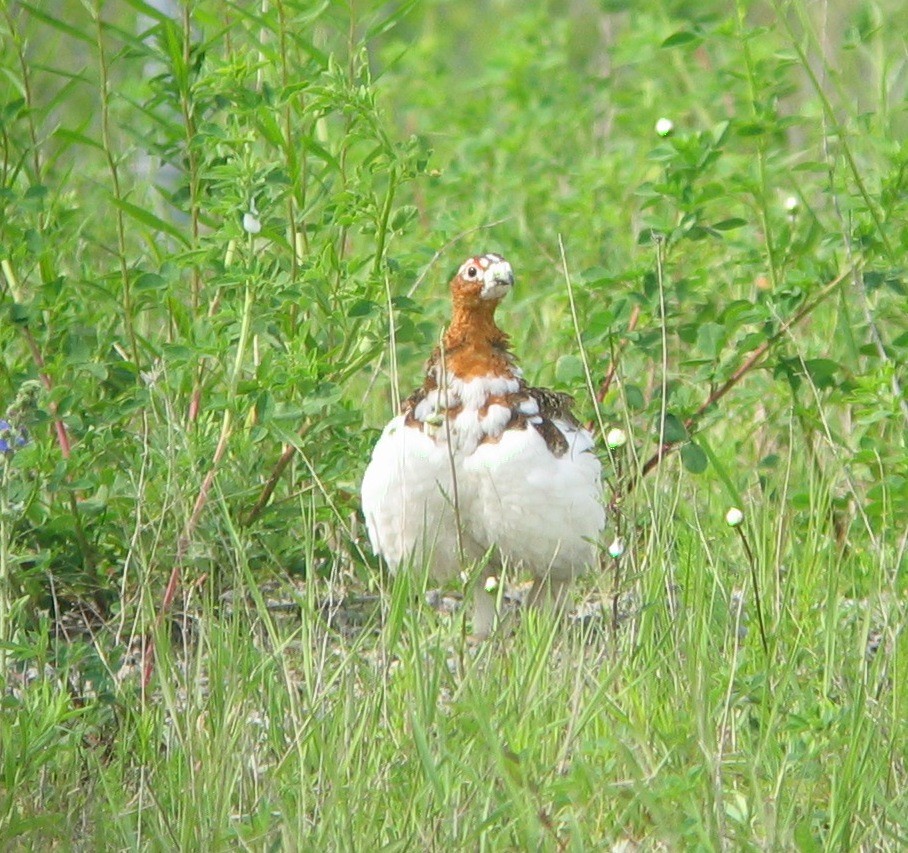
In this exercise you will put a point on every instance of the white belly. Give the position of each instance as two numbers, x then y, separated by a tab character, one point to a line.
542	511
408	502
538	510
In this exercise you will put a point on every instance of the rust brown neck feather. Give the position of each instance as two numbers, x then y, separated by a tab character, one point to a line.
474	345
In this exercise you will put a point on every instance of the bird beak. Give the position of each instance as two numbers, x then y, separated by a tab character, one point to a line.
497	281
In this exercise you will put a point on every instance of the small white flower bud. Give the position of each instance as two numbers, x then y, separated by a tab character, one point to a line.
616	549
792	203
491	584
616	438
734	517
251	223
665	126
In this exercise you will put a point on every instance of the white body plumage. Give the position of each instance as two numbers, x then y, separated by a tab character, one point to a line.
499	458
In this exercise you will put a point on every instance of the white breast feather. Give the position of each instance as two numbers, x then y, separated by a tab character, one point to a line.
496	418
473	393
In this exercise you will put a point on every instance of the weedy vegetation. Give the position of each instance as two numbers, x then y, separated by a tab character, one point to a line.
225	232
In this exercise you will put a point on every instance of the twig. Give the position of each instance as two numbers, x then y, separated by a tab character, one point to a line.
613	366
270	486
59	426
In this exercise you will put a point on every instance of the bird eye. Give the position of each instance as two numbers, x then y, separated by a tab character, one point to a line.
472	272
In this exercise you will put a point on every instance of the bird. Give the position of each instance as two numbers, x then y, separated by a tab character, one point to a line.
480	468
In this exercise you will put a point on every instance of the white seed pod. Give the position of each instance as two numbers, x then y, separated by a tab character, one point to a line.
734	517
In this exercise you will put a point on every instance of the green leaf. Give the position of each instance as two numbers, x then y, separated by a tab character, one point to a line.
94	369
12	108
146	217
403	216
710	338
804	839
80	34
733	493
720	131
405	303
680	38
362	308
383	26
673	430
270	129
752	128
177	353
320	151
696	232
568	369
634	398
148	9
694	459
648	236
729	224
149	281
74	136
35	191
19	313
822	371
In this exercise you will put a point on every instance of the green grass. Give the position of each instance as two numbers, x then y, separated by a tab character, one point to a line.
162	352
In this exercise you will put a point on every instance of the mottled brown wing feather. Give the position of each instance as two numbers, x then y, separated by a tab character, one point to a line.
553	437
429	384
553	404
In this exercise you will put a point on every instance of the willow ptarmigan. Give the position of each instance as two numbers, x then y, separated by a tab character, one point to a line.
479	448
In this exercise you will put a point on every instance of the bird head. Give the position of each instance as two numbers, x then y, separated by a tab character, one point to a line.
483	277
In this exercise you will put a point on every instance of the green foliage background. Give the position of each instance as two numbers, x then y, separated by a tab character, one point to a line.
376	145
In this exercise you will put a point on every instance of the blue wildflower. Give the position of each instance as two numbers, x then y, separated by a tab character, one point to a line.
10	438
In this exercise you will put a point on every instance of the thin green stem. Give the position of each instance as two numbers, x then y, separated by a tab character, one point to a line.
107	144
751	560
663	330
26	88
187	108
578	337
352	338
762	199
